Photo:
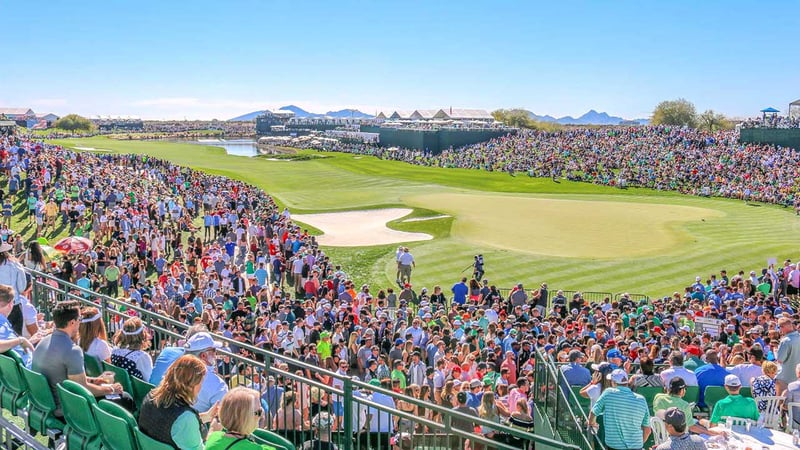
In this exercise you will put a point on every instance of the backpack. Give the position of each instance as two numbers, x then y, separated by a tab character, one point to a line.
129	365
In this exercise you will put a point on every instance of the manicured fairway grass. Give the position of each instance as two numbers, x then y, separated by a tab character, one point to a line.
572	235
580	228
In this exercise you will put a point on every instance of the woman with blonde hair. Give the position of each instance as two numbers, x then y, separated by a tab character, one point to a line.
239	413
449	395
92	335
764	385
166	414
288	418
488	411
132	342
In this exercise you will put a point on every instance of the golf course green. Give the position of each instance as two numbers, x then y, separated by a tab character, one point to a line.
574	236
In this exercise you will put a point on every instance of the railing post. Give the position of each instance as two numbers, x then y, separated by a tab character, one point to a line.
347	403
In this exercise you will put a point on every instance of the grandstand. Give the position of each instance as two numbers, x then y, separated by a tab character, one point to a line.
118	123
423	129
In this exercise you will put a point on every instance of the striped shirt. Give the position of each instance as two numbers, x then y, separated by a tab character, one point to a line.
624	414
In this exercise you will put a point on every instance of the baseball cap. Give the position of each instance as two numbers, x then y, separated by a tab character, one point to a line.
620	377
614	353
475	384
676	384
398	341
201	341
672	416
462	397
575	355
732	381
603	367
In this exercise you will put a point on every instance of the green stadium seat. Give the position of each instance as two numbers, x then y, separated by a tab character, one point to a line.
148	443
82	431
713	394
41	404
13	389
692	394
140	390
92	366
120	376
117	426
272	439
649	393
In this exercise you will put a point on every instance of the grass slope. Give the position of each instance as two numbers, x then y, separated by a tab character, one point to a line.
679	246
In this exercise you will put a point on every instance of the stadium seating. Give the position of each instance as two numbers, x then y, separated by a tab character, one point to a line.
146	442
649	393
272	439
82	431
140	390
13	388
92	366
41	405
117	426
120	376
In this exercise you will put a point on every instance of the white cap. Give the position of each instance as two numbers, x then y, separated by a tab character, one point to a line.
620	377
201	341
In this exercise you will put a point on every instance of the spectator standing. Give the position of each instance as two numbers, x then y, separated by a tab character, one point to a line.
792	394
574	372
788	354
626	416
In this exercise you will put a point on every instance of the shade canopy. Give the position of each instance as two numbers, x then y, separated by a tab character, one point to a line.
795	103
769	110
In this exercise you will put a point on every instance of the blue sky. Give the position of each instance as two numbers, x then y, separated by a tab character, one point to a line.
205	59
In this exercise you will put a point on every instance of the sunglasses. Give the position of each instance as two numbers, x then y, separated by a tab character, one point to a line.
258	413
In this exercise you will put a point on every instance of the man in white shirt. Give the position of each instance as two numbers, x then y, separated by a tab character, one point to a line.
677	370
406	262
748	371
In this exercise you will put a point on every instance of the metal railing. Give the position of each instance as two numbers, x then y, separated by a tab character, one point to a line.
364	416
553	396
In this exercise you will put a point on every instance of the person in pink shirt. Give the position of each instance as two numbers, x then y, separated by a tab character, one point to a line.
521	391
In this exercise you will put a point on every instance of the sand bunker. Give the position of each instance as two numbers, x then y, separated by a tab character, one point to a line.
422	219
360	228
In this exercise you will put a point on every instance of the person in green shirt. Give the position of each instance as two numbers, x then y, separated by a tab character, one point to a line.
324	345
239	414
734	405
112	279
398	374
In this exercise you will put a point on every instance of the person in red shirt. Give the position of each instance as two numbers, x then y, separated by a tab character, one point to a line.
511	365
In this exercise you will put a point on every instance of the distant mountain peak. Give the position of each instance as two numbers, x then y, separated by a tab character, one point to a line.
591	117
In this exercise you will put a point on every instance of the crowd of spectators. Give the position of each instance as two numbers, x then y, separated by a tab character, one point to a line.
221	257
663	158
772	121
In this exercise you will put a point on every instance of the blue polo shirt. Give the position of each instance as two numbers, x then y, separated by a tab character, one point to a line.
460	291
165	359
7	332
709	375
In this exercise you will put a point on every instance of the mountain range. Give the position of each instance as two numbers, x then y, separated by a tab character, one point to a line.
590	118
302	113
